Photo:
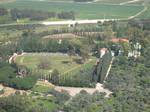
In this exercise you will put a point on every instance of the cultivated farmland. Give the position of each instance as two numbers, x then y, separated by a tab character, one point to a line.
82	10
146	14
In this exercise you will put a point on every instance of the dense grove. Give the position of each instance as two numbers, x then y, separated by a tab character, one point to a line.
32	44
3	11
19	103
8	77
39	15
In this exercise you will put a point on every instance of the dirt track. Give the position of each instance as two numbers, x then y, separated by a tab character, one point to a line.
9	91
75	90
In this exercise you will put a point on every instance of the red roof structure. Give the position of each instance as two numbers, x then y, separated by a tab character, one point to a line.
116	40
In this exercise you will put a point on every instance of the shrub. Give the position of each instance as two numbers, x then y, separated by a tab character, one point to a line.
8	77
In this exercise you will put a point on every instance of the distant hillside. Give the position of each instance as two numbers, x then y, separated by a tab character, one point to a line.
6	1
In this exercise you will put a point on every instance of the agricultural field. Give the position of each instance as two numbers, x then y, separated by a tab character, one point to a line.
94	1
82	10
112	1
6	1
146	14
62	62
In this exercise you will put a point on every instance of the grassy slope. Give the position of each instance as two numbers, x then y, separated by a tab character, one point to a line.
83	11
45	102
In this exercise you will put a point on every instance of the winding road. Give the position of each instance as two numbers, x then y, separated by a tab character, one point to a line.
131	1
139	13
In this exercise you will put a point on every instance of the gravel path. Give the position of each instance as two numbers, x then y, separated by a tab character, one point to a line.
9	91
109	68
75	90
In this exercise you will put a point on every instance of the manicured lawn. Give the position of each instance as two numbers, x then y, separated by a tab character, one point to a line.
76	70
82	10
57	62
64	64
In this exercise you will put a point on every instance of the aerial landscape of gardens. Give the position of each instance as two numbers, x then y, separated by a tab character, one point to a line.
74	56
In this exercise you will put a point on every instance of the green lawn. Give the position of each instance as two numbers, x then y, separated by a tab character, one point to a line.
64	64
82	10
56	62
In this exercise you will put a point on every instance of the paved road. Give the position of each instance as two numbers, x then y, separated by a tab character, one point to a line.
109	68
77	21
139	13
66	22
17	24
128	2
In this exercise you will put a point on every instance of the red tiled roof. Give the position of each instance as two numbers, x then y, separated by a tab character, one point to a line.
119	40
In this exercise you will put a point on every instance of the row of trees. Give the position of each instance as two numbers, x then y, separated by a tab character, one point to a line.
81	78
3	11
39	15
103	66
35	44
